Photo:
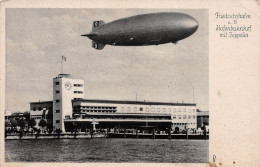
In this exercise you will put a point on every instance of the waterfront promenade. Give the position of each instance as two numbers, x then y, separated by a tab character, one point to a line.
106	135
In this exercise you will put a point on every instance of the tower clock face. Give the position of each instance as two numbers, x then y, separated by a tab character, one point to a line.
67	85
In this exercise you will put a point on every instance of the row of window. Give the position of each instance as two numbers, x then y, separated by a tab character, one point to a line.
184	117
78	85
75	85
79	92
40	108
103	111
183	123
128	109
36	117
94	107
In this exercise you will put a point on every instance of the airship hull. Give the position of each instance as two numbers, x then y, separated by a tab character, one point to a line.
147	29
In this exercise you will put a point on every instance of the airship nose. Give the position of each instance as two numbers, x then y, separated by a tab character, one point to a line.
192	24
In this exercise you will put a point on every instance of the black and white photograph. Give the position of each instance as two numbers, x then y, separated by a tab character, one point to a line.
107	85
129	83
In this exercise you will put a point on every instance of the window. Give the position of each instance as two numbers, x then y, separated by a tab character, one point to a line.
189	117
57	83
147	109
57	101
152	109
189	110
40	108
79	92
184	116
163	110
174	110
57	91
184	110
135	109
78	85
174	117
122	109
169	110
194	117
34	108
179	116
141	108
179	110
128	109
57	121
77	98
193	110
57	111
67	117
158	109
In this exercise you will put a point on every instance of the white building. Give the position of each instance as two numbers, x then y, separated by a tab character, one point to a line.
182	115
65	89
69	108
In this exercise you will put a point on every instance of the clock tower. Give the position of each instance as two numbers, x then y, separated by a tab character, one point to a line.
65	89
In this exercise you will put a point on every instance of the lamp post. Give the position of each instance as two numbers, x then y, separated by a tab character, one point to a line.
187	129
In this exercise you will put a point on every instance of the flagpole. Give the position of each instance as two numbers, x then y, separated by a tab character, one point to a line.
193	94
61	66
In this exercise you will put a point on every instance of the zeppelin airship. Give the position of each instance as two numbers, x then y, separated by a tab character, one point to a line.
142	30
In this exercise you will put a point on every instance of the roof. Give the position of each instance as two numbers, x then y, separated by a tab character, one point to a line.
130	114
63	76
132	102
40	102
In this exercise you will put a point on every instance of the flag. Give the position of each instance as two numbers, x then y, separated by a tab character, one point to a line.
63	58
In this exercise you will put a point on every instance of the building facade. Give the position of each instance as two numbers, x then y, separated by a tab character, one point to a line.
40	105
125	113
42	110
65	89
69	108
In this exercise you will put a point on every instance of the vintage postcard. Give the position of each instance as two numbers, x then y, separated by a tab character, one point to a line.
149	83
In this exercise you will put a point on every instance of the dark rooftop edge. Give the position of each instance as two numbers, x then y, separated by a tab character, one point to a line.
132	102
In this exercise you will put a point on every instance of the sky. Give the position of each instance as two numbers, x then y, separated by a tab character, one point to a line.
36	39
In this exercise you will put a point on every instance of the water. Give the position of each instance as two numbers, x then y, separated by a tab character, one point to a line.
107	150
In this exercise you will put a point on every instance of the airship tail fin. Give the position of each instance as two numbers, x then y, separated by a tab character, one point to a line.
97	24
97	45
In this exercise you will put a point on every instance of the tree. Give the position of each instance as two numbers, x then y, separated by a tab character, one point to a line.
58	131
205	122
49	128
21	123
37	133
13	122
42	123
177	130
31	122
7	123
26	115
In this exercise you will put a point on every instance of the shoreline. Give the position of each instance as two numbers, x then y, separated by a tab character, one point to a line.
108	135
